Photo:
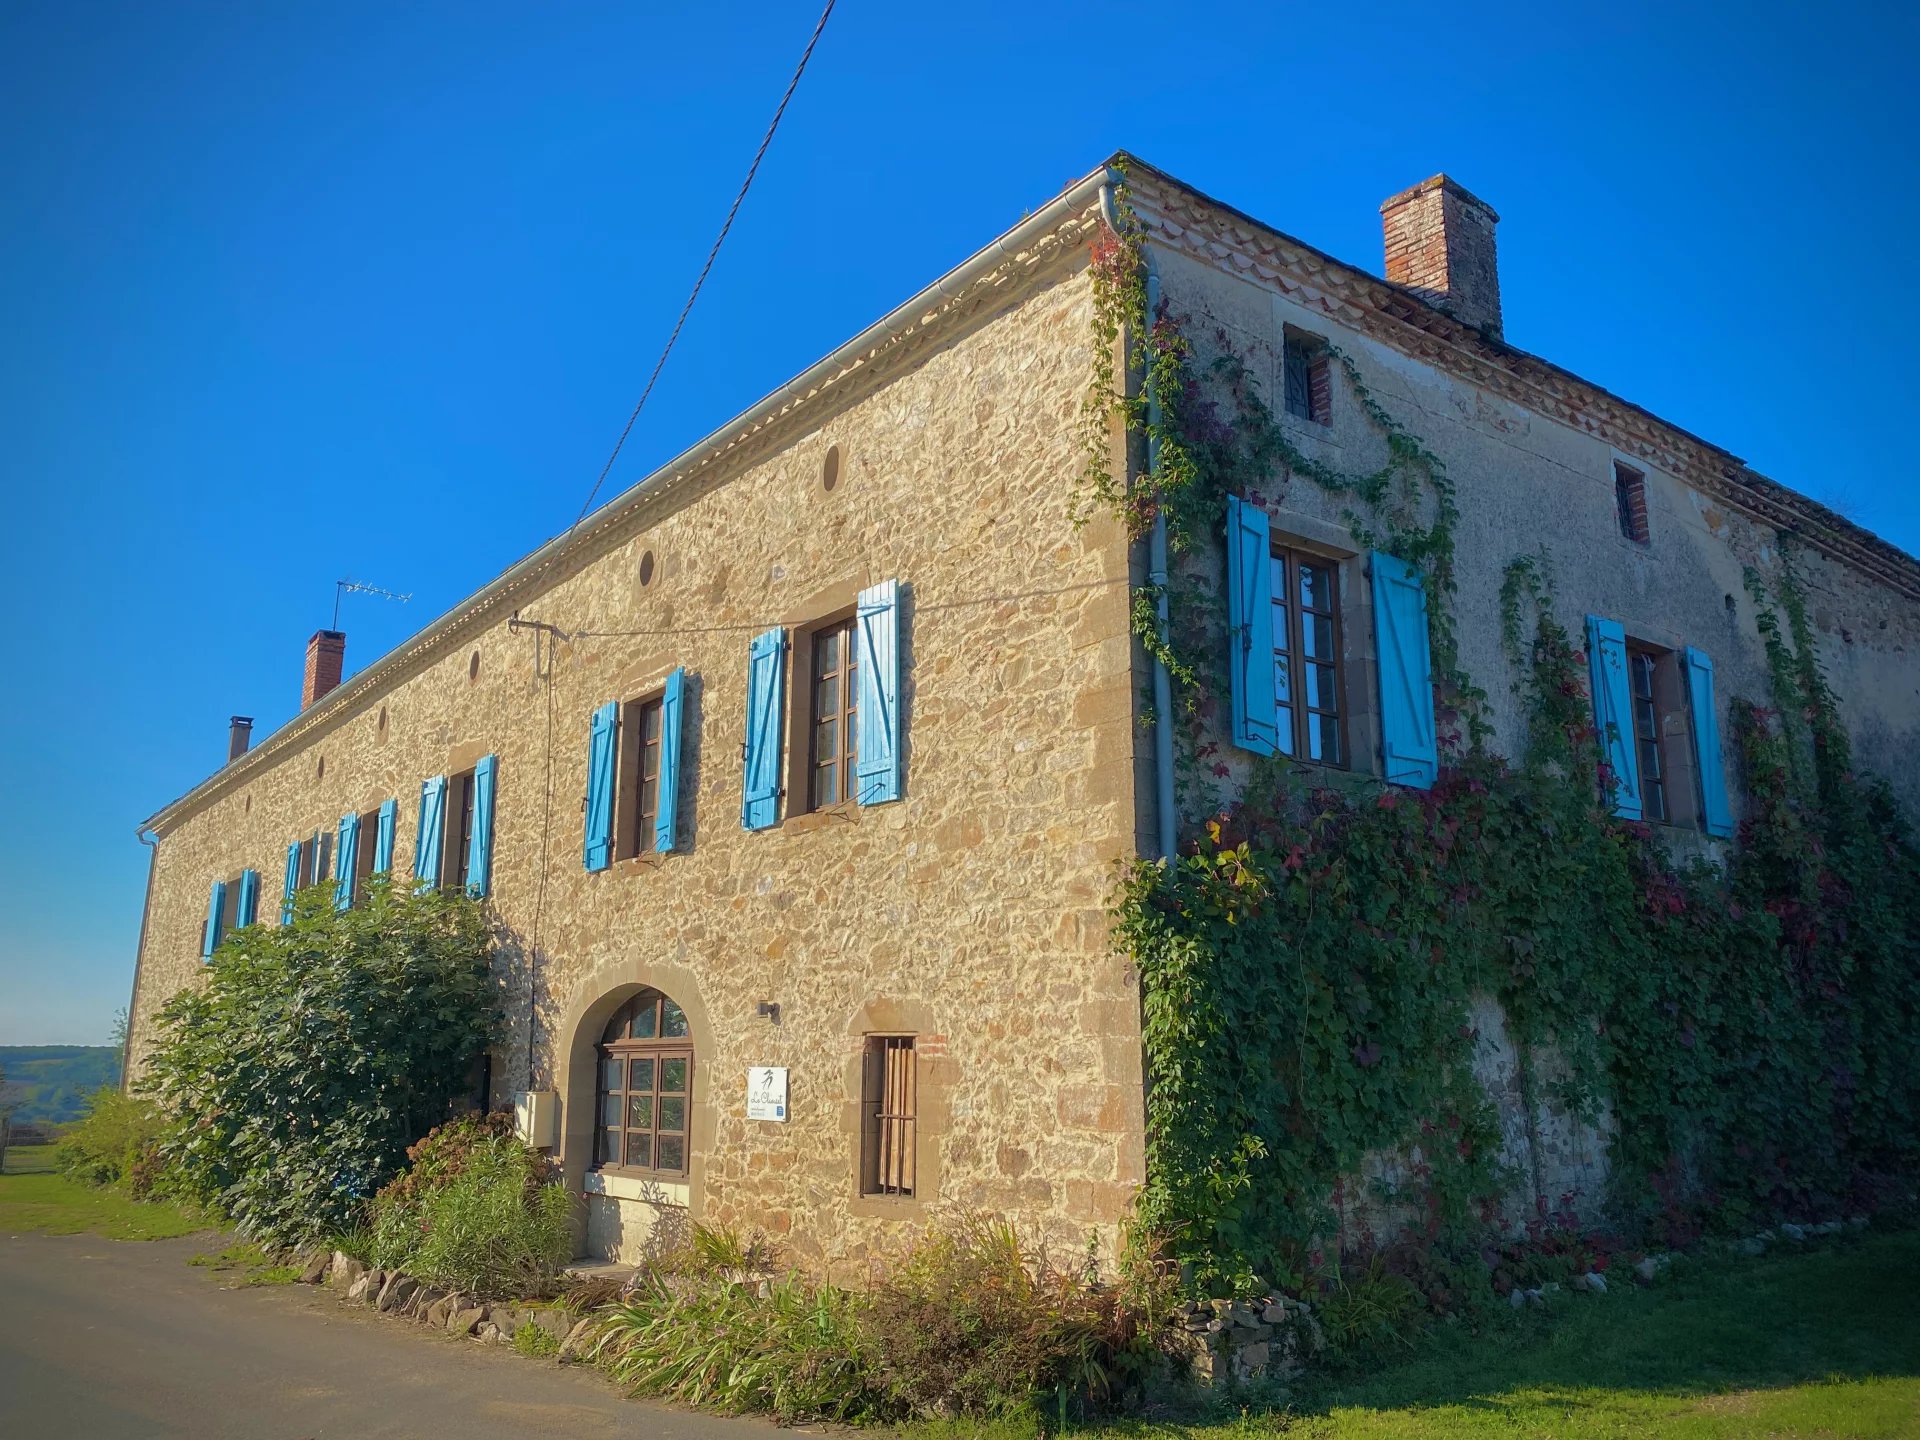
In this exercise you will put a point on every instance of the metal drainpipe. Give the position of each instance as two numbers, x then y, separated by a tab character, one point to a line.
1164	817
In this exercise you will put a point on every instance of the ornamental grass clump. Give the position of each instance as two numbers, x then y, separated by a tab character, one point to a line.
478	1211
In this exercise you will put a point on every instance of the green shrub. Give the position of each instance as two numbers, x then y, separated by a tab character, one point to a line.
797	1353
296	1077
478	1212
533	1342
972	1324
116	1140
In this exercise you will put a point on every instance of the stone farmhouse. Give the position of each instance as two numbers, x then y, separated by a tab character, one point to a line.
800	773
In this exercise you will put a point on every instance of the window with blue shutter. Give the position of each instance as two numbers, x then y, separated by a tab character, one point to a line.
383	836
1715	814
346	858
1408	749
291	884
1613	711
598	852
666	820
480	838
877	713
216	912
766	675
428	838
247	909
1250	627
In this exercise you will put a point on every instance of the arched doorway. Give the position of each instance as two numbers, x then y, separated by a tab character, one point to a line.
644	1100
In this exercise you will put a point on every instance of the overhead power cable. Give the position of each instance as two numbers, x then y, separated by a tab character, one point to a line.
712	255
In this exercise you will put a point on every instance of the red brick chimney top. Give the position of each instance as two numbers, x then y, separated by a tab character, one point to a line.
1440	245
326	657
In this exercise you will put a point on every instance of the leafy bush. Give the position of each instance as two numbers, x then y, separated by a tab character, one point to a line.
533	1342
974	1325
797	1353
296	1077
971	1324
478	1211
116	1140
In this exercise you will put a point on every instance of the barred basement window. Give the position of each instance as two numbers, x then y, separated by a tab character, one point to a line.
1308	381
646	1088
1630	500
888	1092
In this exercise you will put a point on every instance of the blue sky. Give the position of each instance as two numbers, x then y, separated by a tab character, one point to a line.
296	292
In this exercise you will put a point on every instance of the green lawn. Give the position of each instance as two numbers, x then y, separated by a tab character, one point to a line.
1819	1344
34	1198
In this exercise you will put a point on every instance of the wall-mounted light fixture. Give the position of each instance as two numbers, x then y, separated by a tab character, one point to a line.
769	1010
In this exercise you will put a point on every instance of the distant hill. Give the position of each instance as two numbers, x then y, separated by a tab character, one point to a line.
49	1084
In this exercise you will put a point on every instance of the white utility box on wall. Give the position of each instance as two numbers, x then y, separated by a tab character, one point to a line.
534	1115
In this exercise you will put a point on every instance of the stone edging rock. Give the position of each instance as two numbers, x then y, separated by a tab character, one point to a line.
392	1292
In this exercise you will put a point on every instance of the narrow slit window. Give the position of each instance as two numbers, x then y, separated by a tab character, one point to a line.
889	1096
1630	498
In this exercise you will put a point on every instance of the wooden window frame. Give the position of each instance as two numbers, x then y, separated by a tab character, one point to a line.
635	827
845	758
365	843
456	831
1292	611
662	1050
889	1117
1644	664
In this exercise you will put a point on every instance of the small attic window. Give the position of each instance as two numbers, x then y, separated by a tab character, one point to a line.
1309	384
1630	498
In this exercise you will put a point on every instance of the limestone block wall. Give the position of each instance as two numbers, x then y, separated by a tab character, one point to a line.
970	913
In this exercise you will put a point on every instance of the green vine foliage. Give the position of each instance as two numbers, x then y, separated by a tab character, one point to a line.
1313	959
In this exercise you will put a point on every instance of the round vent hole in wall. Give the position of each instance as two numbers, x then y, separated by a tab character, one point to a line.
646	568
381	726
830	469
473	667
320	770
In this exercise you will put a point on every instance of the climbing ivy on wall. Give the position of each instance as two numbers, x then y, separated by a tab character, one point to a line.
1311	959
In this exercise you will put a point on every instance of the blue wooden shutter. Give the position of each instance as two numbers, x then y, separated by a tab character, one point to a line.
346	857
1714	813
383	837
877	708
599	839
1407	745
427	843
292	882
480	840
1613	711
216	908
666	824
766	666
1250	627
247	908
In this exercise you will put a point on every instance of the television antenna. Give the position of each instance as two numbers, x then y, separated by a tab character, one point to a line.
343	588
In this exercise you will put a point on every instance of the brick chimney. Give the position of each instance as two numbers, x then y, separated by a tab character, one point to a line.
1440	246
239	736
326	654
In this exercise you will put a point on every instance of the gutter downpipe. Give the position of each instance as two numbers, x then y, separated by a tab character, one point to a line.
1163	803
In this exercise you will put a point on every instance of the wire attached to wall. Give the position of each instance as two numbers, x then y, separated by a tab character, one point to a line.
712	255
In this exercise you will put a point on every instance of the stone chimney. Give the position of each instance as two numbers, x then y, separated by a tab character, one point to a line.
326	655
239	736
1440	246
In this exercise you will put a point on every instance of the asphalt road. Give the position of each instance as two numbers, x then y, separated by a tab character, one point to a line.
106	1339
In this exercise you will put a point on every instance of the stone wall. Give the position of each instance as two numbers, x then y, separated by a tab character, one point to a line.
1526	485
970	913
